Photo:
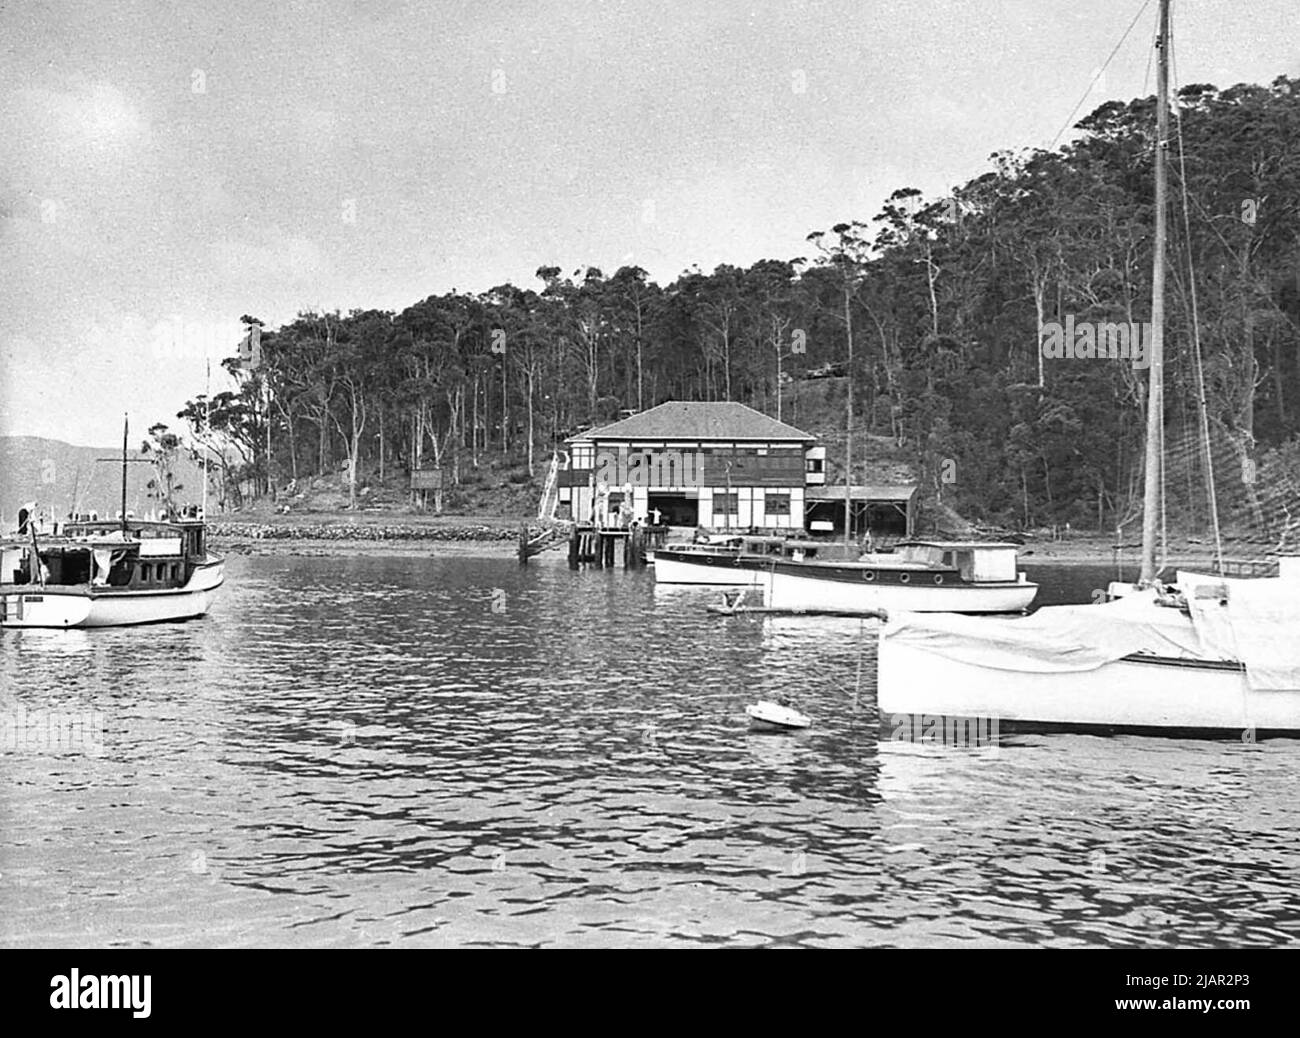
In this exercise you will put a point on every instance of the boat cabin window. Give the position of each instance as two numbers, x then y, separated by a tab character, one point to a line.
922	554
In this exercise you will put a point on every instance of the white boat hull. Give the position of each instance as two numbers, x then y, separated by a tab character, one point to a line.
718	570
1128	693
775	717
67	607
784	590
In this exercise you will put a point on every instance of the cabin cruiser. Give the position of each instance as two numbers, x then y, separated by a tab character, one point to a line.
918	576
108	573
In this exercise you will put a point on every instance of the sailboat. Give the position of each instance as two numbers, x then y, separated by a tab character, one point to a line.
109	573
1206	655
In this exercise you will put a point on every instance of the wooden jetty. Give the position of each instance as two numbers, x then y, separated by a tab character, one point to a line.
598	546
535	538
533	543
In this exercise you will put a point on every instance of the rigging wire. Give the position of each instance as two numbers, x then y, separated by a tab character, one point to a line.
1202	404
1164	526
1100	72
1164	467
1151	50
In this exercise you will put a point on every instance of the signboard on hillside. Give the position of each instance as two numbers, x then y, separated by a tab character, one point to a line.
426	479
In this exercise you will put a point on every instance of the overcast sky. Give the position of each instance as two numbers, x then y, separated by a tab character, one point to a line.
181	164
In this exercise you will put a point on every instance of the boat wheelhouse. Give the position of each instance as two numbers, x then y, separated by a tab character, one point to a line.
919	576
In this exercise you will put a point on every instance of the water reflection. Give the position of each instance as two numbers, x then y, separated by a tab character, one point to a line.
461	751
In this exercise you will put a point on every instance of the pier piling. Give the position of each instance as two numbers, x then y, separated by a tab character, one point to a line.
598	546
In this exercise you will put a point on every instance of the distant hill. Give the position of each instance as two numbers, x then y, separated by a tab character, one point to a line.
58	475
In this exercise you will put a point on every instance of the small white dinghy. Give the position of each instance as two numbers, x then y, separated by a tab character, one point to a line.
776	717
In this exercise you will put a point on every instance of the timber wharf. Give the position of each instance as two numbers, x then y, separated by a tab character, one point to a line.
598	545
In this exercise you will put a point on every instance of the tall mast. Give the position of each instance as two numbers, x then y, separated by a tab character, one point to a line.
125	427
207	431
1155	376
848	419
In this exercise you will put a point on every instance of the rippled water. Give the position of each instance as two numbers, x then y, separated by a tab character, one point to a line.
415	751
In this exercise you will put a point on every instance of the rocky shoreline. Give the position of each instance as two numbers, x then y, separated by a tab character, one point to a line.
498	537
245	531
335	538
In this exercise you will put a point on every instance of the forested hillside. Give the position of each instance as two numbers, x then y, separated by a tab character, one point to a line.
935	306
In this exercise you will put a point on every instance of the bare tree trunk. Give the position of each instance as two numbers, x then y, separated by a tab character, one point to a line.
505	411
473	427
776	343
322	446
726	362
530	378
352	469
931	271
414	456
293	450
1040	287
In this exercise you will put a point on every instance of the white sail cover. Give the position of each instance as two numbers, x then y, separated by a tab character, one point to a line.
1248	621
1253	621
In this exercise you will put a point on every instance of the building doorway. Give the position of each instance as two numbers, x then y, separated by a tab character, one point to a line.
676	509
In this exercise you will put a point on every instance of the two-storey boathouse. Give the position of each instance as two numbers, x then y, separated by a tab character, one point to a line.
720	465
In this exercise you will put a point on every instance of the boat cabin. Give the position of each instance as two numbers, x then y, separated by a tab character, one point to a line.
975	562
147	556
182	537
750	545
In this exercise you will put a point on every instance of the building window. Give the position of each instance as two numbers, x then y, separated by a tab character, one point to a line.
815	464
726	504
777	504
